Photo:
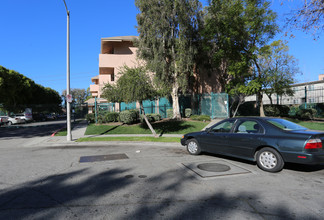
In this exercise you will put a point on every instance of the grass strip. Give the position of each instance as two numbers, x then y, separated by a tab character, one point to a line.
140	139
312	125
167	127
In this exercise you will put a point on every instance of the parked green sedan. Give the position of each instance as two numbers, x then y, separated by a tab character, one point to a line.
269	141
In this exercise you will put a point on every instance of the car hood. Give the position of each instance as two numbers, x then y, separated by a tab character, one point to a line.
194	133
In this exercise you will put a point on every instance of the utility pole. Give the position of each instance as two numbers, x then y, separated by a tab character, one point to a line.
68	103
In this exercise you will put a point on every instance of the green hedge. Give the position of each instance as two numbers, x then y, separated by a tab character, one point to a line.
90	117
111	117
129	116
248	109
151	117
200	117
188	112
169	113
276	110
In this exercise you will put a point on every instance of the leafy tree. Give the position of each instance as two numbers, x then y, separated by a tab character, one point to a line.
78	95
18	92
309	17
278	69
235	33
88	94
225	44
168	32
133	85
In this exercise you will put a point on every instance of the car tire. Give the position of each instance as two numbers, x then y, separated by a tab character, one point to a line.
268	159
9	123
193	147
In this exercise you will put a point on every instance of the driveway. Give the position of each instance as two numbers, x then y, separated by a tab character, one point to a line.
149	181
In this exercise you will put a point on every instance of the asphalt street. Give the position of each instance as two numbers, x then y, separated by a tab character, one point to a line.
46	177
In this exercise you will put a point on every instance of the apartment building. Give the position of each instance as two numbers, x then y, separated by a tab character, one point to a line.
308	92
119	51
115	53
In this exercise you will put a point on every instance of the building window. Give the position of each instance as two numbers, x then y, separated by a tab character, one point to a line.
310	87
311	100
112	77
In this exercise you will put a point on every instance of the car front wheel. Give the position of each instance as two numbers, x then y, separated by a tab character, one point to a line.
193	147
270	160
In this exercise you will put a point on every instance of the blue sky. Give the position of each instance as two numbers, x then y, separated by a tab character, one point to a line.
33	38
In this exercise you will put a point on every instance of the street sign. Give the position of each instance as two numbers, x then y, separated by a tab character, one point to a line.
69	98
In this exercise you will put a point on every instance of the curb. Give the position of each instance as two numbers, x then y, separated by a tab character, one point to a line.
55	132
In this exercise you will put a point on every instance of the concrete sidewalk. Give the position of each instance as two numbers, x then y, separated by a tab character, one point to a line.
78	131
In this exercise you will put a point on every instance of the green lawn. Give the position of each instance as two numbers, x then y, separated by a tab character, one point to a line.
163	127
309	124
147	139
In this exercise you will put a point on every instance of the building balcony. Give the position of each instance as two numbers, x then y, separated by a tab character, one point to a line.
117	60
94	88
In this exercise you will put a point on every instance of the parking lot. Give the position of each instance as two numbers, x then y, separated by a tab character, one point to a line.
149	181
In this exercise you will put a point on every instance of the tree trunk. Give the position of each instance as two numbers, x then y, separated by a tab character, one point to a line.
260	103
270	98
175	102
147	122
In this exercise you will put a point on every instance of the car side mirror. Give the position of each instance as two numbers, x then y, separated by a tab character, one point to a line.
208	130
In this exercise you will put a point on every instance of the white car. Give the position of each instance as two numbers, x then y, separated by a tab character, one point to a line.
13	119
3	120
24	117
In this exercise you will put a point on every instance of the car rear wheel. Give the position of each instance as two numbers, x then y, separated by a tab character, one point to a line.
193	147
270	160
9	123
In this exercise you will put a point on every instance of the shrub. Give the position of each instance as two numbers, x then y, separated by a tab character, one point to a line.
276	110
306	114
128	116
156	117
90	117
136	112
151	117
188	112
293	111
248	109
200	117
169	113
111	117
100	119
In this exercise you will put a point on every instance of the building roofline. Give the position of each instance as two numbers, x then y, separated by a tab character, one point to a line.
120	38
308	83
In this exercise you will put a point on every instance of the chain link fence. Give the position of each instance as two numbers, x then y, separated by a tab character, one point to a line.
215	105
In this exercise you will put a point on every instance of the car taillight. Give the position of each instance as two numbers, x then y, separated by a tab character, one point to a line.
313	144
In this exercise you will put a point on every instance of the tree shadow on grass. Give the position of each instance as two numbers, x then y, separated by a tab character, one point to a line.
169	126
111	129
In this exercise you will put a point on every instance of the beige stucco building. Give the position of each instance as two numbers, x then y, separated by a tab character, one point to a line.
119	51
115	53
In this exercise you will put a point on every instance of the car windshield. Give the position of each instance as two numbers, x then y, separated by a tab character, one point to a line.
285	125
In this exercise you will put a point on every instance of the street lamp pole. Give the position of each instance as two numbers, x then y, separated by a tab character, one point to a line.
68	104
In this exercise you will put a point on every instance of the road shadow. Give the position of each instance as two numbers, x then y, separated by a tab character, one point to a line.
120	194
45	198
303	167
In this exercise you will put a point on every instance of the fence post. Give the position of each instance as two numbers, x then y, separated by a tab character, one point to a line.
227	105
96	110
305	97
